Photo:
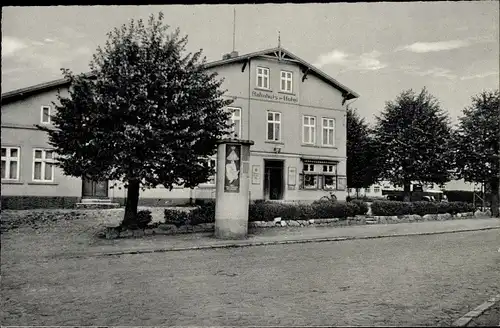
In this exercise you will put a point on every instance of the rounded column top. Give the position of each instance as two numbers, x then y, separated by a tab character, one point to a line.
235	141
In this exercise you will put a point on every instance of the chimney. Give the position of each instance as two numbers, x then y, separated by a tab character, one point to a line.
233	54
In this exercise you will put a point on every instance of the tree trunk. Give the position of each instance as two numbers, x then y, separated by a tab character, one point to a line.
130	218
357	192
494	197
407	191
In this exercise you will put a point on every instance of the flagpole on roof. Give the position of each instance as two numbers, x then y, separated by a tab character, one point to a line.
279	45
234	28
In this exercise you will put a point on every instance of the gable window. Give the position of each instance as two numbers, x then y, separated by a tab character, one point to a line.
236	121
286	81
262	77
45	115
328	132
309	130
273	126
10	163
43	165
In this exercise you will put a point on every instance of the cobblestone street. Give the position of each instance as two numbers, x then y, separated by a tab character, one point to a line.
422	280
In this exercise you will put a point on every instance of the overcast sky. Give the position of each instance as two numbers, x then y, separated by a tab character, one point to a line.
376	49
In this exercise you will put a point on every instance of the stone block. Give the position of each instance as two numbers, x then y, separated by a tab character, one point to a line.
199	228
311	221
112	233
427	217
126	233
159	231
149	232
382	220
293	223
341	223
447	216
138	233
404	219
254	224
207	226
167	227
283	223
371	222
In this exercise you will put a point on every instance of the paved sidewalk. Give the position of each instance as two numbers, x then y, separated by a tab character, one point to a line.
266	236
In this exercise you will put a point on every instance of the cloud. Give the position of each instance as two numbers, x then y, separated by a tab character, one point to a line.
478	76
365	62
11	45
369	61
333	57
424	47
434	72
45	54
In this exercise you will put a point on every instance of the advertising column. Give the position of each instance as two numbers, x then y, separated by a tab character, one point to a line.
232	186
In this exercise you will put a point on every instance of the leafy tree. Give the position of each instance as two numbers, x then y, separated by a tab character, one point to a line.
147	115
413	135
477	144
362	163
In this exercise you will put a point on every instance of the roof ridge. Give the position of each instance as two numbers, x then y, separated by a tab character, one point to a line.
59	82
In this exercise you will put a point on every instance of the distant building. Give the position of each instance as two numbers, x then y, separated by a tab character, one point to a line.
376	189
295	114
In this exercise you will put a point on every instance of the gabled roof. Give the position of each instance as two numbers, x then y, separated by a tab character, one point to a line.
277	52
286	55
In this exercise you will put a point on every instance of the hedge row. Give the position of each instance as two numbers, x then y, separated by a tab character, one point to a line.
267	211
391	208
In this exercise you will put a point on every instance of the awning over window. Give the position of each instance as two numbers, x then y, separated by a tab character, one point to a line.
318	161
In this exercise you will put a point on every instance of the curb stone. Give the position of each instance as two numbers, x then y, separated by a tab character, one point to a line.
466	319
276	242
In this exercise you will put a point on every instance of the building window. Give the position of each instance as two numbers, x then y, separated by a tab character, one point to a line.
45	115
328	132
43	165
236	121
317	176
309	130
330	177
286	81
10	163
310	176
262	77
376	189
273	126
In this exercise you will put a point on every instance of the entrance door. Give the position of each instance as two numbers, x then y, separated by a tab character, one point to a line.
273	179
95	189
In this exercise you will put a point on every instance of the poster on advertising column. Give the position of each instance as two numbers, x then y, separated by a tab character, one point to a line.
232	168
